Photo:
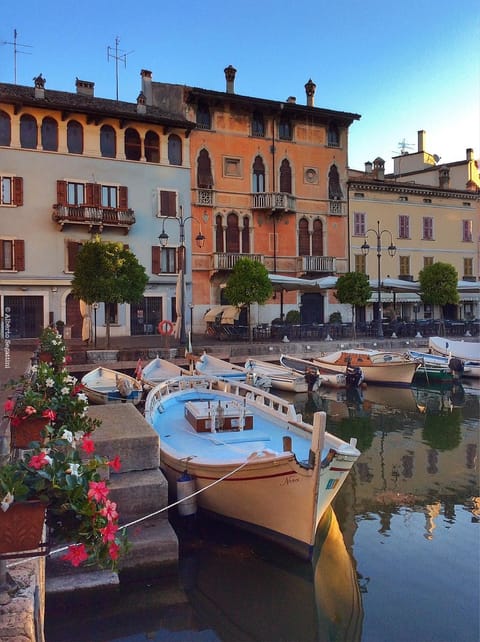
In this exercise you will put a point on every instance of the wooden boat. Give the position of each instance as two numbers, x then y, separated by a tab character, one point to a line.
467	351
207	364
434	367
380	367
251	459
328	378
157	370
103	385
282	378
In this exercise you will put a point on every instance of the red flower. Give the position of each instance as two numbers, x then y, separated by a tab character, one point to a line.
39	461
88	444
113	550
49	414
97	491
108	533
77	388
115	463
68	359
109	511
77	553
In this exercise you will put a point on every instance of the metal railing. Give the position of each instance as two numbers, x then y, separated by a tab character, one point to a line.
93	215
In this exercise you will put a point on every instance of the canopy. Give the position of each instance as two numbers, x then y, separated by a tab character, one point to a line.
229	314
281	282
86	320
213	313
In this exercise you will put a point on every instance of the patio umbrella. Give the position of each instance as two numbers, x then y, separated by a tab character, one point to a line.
86	320
179	297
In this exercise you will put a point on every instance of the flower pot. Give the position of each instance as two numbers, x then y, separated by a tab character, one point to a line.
22	529
26	431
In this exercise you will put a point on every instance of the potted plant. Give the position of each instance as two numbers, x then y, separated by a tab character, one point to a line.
52	348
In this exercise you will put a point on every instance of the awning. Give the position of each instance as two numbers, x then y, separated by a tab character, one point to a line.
230	314
213	313
289	283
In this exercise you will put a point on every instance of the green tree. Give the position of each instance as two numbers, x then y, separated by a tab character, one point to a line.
108	272
248	283
438	285
353	288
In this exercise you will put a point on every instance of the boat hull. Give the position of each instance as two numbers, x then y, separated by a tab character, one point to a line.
388	372
101	386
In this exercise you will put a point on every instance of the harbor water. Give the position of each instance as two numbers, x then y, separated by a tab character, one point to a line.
396	560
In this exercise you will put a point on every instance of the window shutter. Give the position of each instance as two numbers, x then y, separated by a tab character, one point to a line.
92	194
123	197
18	190
1	254
20	255
155	259
73	248
61	192
168	203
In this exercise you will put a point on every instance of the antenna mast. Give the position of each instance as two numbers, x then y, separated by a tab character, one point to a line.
15	52
117	57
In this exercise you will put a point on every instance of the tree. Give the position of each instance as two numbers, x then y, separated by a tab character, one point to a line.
108	272
353	288
247	284
438	285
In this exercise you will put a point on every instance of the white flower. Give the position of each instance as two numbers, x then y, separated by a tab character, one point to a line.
74	470
83	397
68	435
65	391
49	382
6	502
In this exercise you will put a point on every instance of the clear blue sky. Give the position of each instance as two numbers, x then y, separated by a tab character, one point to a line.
403	66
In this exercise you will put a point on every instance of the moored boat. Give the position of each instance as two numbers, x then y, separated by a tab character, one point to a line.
104	385
282	378
328	377
467	351
378	366
436	368
253	460
157	370
209	365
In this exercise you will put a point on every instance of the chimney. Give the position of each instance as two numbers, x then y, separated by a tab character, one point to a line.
444	177
147	86
40	86
379	168
85	87
368	167
141	106
230	78
421	140
310	87
470	154
291	99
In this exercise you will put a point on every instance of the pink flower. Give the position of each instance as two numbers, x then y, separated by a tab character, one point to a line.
49	414
39	461
108	533
77	554
115	463
109	511
113	550
30	410
97	491
88	444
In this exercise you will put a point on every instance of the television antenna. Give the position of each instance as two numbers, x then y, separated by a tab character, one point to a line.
118	57
403	146
15	46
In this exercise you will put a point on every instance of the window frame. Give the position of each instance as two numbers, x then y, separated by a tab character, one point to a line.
359	224
427	228
403	226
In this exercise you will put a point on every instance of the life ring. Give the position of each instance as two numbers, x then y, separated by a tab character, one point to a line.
165	327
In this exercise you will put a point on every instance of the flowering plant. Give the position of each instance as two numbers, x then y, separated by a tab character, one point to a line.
52	343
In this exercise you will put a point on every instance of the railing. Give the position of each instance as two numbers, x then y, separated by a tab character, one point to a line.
318	264
93	215
226	260
205	197
273	201
335	208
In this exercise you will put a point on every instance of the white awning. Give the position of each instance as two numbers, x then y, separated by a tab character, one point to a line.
213	313
230	314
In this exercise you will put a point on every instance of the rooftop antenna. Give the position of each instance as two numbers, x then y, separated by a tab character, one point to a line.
117	57
15	45
403	146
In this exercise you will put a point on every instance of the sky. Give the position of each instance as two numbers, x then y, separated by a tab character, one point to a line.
403	66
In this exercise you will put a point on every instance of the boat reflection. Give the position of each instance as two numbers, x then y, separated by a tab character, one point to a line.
285	600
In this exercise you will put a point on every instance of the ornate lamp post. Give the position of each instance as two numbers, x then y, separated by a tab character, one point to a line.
392	251
200	241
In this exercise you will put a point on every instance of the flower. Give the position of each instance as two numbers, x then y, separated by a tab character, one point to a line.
52	344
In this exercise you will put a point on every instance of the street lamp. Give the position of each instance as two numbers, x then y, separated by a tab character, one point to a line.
392	251
200	241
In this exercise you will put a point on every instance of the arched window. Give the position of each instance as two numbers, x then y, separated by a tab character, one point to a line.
74	137
108	142
334	189
49	134
285	177
258	175
246	235
133	145
219	247
174	150
303	238
204	120
28	132
232	234
258	124
333	135
5	129
317	238
152	147
204	170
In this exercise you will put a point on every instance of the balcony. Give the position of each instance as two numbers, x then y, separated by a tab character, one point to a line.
93	217
319	264
335	208
205	197
273	201
226	260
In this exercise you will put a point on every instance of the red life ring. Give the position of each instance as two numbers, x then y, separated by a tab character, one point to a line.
165	327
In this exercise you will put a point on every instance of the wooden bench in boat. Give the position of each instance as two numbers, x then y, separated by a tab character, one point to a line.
226	415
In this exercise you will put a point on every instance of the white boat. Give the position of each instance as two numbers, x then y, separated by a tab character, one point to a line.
249	457
327	377
103	385
436	367
466	351
282	378
157	370
378	366
212	366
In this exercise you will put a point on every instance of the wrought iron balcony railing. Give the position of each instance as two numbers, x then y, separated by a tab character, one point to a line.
93	216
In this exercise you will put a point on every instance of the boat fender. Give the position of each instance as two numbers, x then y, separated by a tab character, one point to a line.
124	387
185	488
